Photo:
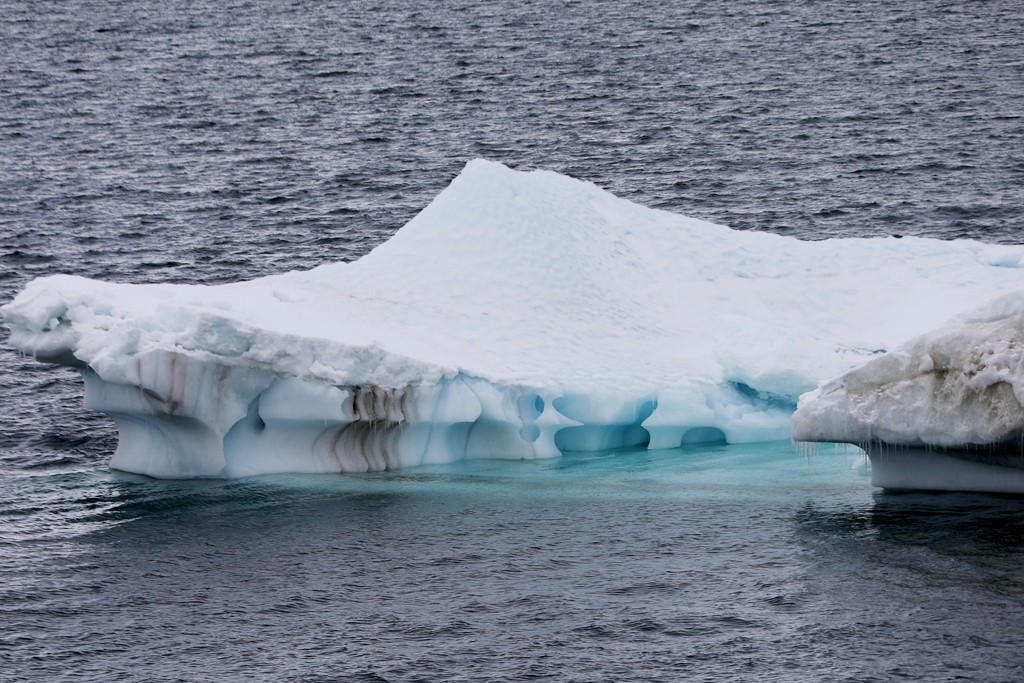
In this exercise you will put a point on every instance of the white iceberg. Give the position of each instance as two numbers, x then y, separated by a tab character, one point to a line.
944	411
517	316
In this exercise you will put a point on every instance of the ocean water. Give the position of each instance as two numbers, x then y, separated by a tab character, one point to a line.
719	563
214	142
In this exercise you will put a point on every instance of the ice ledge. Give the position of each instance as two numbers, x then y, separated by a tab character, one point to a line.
943	412
921	469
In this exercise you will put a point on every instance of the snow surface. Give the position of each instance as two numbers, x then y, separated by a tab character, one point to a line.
517	316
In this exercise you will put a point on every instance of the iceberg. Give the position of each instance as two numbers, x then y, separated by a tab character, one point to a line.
942	412
519	315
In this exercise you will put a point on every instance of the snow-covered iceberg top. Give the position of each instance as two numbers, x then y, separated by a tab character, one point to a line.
519	315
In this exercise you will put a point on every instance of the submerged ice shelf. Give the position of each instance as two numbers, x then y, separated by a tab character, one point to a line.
519	315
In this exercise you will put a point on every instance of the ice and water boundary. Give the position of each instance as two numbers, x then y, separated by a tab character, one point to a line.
188	417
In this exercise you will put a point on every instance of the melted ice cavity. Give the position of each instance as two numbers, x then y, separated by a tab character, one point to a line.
517	316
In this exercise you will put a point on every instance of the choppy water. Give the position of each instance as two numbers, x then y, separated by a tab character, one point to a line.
221	141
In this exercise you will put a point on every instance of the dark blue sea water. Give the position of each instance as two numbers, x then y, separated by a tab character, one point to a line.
209	142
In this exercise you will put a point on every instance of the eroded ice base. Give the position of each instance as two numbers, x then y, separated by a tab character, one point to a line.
188	418
183	417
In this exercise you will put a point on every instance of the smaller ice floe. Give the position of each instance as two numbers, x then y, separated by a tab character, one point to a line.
944	412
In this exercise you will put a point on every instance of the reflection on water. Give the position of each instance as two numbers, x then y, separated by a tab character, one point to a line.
631	565
971	526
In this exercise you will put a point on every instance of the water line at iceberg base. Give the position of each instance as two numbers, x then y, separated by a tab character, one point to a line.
190	418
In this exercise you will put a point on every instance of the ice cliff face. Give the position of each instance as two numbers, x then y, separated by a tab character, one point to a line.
519	315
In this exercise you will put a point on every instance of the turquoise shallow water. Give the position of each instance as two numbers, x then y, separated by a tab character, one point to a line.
741	562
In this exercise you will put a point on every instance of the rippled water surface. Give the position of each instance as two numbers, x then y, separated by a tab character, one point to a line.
213	142
724	563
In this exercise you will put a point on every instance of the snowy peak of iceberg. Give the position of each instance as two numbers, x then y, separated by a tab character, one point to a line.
518	315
